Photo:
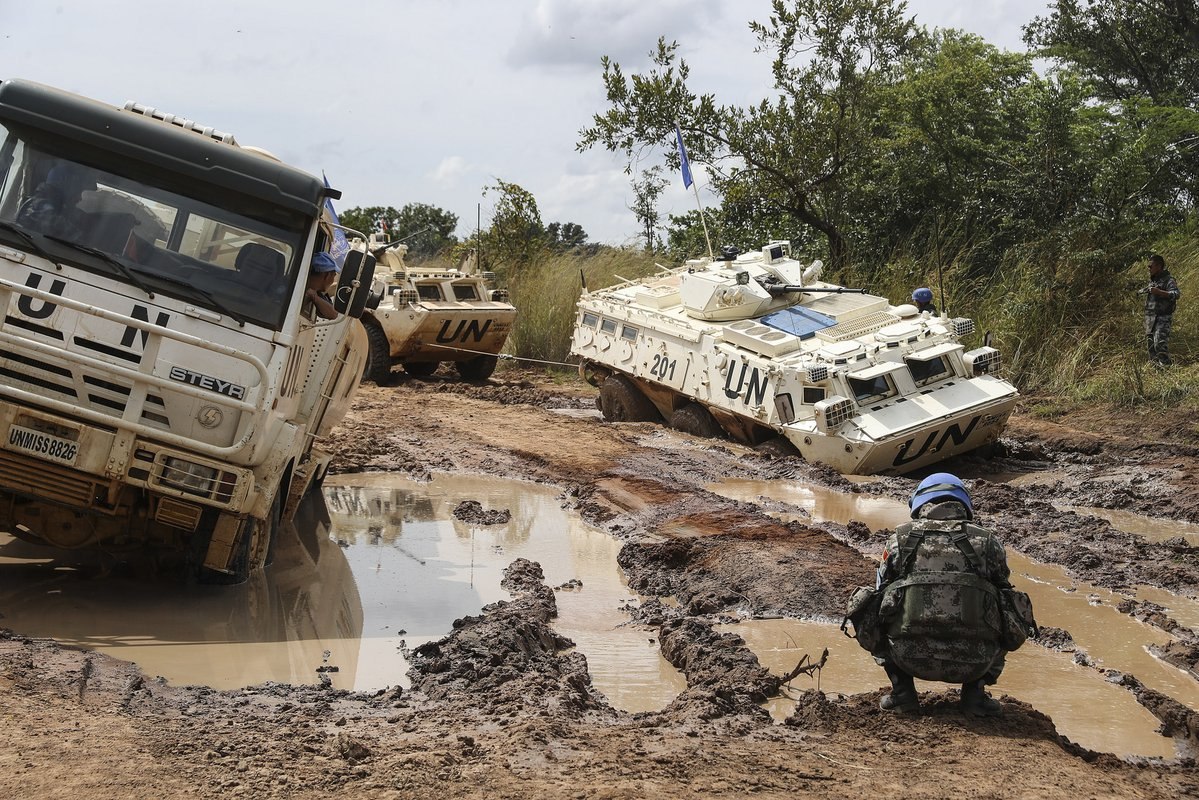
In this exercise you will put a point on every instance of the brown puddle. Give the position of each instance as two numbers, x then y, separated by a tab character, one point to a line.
1084	706
382	560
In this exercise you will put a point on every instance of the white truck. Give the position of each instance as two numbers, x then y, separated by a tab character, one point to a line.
163	384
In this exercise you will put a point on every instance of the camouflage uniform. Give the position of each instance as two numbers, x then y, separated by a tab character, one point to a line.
938	641
1159	317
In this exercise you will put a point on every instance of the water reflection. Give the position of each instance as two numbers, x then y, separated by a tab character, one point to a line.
419	568
300	614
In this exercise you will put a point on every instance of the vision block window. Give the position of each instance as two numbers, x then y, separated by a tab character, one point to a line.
926	371
813	395
608	326
429	291
590	319
868	390
465	291
629	332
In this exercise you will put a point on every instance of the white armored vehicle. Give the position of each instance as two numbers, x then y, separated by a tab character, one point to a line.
756	347
419	316
165	385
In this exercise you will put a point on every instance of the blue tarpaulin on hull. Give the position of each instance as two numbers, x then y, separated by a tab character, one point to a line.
798	321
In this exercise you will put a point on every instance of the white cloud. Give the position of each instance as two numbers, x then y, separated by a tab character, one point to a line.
450	171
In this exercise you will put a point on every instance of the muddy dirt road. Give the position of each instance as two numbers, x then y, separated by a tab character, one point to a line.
503	708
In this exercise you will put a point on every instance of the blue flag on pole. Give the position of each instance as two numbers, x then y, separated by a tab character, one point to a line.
683	158
341	245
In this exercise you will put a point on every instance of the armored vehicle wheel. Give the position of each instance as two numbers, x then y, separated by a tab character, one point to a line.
478	368
420	369
778	447
694	419
378	360
622	401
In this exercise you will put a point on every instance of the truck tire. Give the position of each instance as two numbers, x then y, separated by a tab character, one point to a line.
694	419
420	369
478	368
778	447
622	401
378	360
239	566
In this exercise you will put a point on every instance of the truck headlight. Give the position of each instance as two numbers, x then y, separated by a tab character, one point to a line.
982	361
187	476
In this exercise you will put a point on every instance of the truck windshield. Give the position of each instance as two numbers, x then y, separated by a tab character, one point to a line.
168	240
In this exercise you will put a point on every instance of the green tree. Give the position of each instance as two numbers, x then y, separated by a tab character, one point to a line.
427	230
801	152
371	219
516	235
563	236
646	192
1126	48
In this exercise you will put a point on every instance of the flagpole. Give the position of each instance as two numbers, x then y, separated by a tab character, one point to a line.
695	186
688	180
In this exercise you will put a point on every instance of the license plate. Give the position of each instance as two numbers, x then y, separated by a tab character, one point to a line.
42	445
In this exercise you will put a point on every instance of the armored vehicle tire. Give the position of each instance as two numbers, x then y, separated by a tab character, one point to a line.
621	401
778	447
478	368
420	369
694	419
378	360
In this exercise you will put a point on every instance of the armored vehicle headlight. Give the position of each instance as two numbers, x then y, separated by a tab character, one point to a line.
499	295
187	476
982	361
833	412
961	326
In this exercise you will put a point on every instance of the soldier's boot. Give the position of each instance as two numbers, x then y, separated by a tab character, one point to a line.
977	702
903	694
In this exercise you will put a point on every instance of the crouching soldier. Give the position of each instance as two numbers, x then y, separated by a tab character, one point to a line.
940	597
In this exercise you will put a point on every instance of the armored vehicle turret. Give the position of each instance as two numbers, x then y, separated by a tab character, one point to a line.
420	316
758	348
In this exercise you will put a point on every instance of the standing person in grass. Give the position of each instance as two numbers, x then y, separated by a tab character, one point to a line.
1161	298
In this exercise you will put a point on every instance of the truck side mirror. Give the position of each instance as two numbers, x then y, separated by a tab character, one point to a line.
354	284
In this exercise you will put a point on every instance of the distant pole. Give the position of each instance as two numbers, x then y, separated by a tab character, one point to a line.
937	255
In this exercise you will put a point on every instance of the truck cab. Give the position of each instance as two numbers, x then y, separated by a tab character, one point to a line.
161	386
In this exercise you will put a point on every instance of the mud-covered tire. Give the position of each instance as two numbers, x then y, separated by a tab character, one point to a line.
421	369
274	525
378	359
778	447
622	401
239	567
696	420
478	368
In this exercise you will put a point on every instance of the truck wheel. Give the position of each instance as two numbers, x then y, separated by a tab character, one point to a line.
478	368
420	369
378	360
622	401
239	566
694	419
274	525
778	447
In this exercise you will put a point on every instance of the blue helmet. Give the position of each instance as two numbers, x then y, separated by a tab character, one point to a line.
323	262
923	295
941	486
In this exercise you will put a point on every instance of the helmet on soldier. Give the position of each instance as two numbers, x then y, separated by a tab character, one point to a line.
923	295
938	487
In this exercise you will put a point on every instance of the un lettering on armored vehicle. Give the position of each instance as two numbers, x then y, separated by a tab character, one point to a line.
165	386
757	348
420	316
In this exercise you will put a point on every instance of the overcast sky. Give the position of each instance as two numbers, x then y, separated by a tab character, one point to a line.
425	101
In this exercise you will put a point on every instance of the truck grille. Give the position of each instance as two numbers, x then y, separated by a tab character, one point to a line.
49	481
100	393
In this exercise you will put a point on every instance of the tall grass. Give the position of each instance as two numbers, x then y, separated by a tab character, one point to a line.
545	294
